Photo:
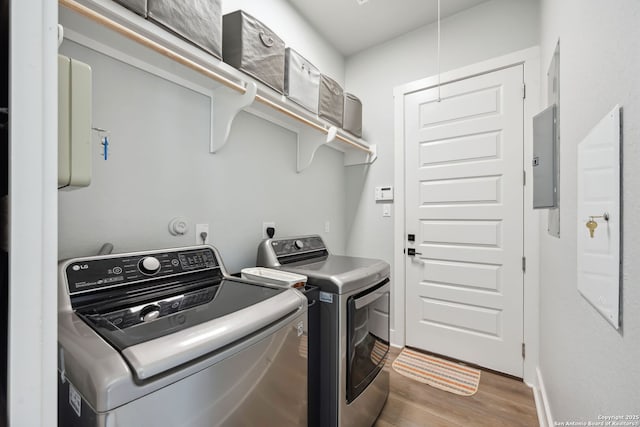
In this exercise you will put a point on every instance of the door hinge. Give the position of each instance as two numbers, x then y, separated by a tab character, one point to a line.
524	91
523	351
524	264
524	177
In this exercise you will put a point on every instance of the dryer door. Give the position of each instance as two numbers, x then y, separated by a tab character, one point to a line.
367	337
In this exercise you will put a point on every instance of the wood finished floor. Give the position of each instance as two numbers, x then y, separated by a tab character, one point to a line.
500	401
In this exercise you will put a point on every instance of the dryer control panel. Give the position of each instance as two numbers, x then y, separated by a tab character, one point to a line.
276	252
297	245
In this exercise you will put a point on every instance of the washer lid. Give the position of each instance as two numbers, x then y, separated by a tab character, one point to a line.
151	358
222	314
341	274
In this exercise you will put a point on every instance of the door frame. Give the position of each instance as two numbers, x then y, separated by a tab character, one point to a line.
33	214
530	60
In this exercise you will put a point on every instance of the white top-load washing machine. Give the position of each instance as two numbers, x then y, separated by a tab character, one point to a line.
168	338
354	325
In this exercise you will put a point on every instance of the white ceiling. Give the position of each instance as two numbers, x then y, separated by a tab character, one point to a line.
351	27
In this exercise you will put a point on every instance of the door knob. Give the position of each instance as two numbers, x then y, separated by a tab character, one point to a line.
412	252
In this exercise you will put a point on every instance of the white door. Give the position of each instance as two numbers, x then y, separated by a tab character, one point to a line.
464	205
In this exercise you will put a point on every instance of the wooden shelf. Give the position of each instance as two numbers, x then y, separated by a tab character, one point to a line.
122	32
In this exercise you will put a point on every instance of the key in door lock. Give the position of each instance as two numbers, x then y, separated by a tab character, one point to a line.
592	224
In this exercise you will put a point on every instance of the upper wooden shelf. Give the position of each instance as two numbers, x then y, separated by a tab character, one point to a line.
232	91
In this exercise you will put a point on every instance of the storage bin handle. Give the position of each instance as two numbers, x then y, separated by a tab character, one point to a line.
266	39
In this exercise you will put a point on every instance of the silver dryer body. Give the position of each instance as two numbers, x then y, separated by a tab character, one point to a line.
354	325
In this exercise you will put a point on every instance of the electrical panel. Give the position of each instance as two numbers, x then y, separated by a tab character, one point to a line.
544	159
74	123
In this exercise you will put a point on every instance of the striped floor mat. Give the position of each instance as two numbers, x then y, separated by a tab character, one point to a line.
443	374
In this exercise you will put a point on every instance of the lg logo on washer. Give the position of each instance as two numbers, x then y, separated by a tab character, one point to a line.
79	267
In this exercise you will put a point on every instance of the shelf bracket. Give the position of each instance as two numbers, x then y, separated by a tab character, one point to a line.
309	140
225	106
358	157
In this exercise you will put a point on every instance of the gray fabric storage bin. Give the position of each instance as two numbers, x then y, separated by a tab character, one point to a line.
198	21
138	6
301	80
250	46
331	102
352	119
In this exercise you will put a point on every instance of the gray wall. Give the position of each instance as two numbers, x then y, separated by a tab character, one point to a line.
160	167
491	29
588	368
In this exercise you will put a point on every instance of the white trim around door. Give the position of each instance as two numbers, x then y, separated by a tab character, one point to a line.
33	214
530	60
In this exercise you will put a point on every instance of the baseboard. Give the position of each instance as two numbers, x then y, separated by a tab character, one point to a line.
542	402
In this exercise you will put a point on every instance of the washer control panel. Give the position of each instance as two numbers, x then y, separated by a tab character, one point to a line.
296	245
97	273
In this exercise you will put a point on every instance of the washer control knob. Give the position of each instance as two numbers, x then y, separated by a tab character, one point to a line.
149	313
149	265
299	244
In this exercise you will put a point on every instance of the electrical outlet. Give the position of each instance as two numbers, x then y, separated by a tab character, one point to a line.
327	226
386	210
200	229
266	225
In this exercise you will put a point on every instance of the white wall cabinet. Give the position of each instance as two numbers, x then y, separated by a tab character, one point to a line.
598	225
